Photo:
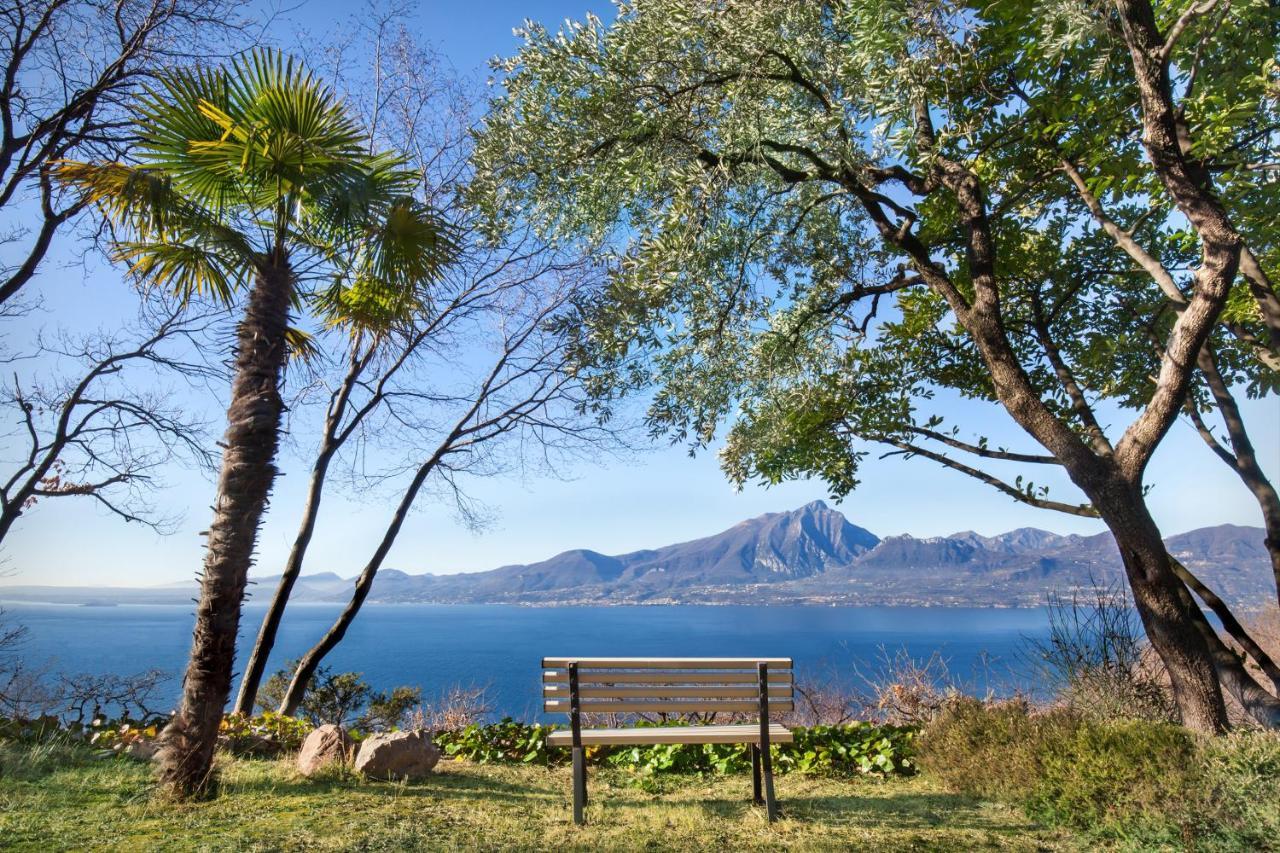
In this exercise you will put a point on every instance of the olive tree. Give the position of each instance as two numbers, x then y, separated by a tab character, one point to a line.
821	216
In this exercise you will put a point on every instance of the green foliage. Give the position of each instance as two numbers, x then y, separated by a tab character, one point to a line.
859	748
1237	802
732	160
287	733
259	163
1143	782
342	698
1110	776
984	749
266	734
506	741
119	736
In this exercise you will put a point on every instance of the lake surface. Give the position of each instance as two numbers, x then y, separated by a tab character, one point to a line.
500	647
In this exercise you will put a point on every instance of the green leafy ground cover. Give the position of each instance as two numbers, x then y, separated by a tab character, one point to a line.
54	797
852	748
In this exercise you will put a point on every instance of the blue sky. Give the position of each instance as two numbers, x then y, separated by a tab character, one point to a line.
647	499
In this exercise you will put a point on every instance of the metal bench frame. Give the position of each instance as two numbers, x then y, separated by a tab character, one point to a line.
661	689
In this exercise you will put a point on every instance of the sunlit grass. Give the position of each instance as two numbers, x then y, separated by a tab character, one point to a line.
60	800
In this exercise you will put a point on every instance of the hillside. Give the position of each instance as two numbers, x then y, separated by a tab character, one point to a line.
809	555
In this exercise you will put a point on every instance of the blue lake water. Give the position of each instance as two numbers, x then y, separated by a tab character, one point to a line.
500	647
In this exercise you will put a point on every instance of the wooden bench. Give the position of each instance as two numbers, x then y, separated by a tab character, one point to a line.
670	686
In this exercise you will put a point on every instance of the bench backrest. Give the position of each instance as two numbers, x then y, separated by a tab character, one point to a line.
665	685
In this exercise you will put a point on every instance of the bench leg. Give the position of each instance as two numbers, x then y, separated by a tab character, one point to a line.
756	797
771	805
579	786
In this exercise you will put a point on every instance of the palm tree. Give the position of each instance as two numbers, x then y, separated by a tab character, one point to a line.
253	176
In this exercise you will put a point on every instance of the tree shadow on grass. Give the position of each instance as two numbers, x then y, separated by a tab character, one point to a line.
448	785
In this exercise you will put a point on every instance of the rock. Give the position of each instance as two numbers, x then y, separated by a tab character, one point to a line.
142	750
398	755
325	745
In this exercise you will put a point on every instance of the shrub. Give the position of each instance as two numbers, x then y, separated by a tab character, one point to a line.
452	710
1238	807
342	698
1148	784
983	749
864	748
246	735
1098	658
1115	777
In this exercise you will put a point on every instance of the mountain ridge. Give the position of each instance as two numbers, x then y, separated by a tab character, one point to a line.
812	554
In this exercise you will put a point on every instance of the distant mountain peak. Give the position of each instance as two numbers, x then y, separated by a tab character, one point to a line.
809	554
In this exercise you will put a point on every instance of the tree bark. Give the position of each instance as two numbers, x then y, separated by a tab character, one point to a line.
1230	624
1244	460
1260	705
244	484
1169	615
330	443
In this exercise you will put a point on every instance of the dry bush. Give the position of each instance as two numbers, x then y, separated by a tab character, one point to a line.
826	703
453	710
909	691
1097	657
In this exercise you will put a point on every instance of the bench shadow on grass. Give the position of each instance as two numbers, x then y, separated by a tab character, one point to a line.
906	810
894	811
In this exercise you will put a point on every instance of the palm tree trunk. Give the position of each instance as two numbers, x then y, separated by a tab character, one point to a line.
332	439
244	483
257	665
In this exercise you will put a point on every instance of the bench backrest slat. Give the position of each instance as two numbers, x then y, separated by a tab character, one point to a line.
663	691
666	685
619	677
666	663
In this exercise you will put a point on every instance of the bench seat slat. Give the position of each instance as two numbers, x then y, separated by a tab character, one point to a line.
672	734
665	663
556	691
589	677
658	706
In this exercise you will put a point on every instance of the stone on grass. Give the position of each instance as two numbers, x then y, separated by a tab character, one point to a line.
397	755
325	745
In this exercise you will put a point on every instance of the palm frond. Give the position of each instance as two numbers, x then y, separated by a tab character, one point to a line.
386	275
302	346
185	268
176	243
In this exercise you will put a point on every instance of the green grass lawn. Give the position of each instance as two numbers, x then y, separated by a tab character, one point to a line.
53	800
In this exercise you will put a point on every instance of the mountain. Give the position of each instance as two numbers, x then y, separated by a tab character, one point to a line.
768	549
809	555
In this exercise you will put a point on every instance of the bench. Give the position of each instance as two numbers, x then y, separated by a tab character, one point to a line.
670	686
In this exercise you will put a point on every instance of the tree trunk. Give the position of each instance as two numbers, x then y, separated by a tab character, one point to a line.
244	483
311	661
1260	705
1245	458
262	647
335	435
1169	615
